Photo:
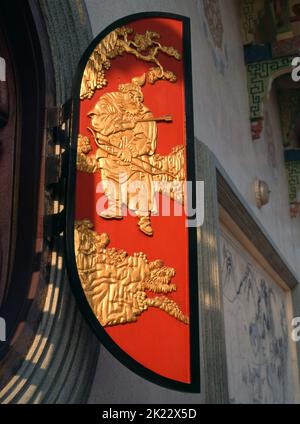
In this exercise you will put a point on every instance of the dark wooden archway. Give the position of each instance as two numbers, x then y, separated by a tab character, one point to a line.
22	116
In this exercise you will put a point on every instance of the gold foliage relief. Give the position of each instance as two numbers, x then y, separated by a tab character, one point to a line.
145	47
120	287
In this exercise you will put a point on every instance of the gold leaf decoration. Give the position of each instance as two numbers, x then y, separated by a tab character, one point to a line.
145	47
116	284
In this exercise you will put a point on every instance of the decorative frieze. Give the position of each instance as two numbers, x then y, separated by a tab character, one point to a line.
292	163
289	108
260	77
270	38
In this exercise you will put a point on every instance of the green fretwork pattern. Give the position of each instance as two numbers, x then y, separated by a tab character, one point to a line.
293	174
260	77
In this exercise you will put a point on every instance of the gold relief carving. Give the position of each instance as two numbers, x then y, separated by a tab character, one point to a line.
145	47
116	284
120	287
170	169
85	163
125	132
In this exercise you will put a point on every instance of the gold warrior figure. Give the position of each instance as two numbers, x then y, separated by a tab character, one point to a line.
125	132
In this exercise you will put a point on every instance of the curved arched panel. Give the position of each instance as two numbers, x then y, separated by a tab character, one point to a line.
132	255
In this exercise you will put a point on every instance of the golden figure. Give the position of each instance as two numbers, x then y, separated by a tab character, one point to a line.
115	283
125	132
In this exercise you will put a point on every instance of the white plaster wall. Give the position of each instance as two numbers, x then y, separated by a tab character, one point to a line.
221	114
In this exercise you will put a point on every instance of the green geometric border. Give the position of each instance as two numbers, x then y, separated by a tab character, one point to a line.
260	76
293	175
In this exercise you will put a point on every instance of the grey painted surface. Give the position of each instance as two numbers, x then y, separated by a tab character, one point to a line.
114	384
213	353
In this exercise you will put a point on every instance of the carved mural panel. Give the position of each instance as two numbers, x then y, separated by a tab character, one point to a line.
256	329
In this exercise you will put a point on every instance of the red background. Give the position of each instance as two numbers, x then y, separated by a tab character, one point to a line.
156	340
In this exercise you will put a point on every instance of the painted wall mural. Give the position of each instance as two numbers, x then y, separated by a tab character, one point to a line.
260	78
212	22
270	30
257	342
292	164
266	21
213	17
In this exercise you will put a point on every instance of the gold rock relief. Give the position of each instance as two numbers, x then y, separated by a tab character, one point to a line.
117	284
125	133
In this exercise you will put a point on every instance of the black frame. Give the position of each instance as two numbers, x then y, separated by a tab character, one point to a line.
115	350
